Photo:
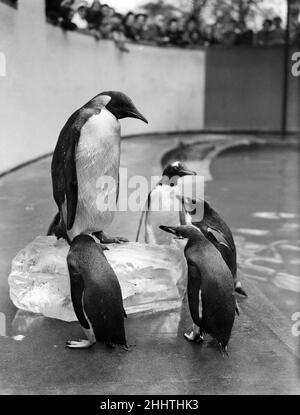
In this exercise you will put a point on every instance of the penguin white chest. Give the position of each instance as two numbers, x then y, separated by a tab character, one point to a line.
163	210
97	155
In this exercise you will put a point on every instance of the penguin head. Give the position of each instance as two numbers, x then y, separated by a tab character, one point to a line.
82	239
177	169
83	248
121	106
183	231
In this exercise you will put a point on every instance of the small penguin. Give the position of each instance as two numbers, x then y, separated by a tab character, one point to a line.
162	204
216	230
96	295
87	150
210	280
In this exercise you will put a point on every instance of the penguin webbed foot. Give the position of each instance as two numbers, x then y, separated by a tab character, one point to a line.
79	344
194	337
128	348
107	239
124	347
223	350
103	247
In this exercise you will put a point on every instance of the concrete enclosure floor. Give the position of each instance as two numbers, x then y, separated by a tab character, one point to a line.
261	358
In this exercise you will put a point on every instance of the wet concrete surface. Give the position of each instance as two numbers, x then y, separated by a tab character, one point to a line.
262	351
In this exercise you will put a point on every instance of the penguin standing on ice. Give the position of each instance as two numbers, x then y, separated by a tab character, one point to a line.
216	230
87	150
210	280
96	295
162	204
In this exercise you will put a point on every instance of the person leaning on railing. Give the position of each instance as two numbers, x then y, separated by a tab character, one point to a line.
66	21
94	18
173	33
129	26
193	34
112	28
79	18
142	27
102	21
157	30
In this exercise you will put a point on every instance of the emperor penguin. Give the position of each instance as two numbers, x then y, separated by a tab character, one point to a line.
209	282
216	230
163	205
96	295
88	150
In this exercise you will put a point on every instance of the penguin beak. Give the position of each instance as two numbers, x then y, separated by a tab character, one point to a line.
186	172
134	113
171	229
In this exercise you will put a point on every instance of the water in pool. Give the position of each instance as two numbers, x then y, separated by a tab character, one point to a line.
257	192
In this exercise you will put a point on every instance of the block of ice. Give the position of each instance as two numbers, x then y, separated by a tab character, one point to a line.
152	277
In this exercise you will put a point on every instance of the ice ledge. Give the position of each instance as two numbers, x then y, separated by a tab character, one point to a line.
152	277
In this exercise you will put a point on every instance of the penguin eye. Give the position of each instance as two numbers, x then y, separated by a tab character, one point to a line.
172	184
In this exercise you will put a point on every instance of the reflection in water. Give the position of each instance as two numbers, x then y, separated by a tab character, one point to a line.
25	322
275	215
253	257
256	190
287	281
256	232
19	337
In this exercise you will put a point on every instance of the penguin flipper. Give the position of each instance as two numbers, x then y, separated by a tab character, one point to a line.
218	236
76	295
77	290
193	293
237	308
71	184
63	166
195	335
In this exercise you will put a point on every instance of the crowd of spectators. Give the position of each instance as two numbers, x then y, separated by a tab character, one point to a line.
103	22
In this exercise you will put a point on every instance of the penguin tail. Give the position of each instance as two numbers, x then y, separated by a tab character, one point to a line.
58	229
223	349
53	225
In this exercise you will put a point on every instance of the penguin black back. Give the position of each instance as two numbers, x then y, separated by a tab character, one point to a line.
95	291
216	230
210	279
208	271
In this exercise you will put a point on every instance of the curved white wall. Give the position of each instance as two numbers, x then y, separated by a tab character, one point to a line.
49	74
